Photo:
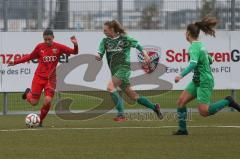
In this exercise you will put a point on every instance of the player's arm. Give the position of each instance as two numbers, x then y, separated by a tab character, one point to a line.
33	55
194	56
68	50
188	69
135	44
101	50
146	57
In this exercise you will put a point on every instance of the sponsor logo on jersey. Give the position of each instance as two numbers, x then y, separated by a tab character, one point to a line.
111	47
49	58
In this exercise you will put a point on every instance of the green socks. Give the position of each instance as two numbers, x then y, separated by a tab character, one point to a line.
182	115
144	101
215	107
118	101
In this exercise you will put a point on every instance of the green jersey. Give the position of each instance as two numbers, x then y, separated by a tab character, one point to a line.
202	72
118	51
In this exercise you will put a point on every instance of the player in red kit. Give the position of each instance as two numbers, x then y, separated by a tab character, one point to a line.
48	54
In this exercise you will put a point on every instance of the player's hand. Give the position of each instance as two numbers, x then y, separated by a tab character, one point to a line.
11	63
146	57
178	78
98	57
74	40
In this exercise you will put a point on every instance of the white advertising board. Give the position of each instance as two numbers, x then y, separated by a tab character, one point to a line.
172	45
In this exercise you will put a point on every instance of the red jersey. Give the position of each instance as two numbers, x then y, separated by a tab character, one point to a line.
48	57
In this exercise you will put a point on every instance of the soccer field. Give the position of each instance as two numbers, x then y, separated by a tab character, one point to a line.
214	137
82	100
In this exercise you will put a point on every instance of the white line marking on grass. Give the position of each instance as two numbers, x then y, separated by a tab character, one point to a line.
112	128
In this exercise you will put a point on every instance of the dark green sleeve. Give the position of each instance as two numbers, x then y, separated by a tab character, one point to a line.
101	48
139	48
210	59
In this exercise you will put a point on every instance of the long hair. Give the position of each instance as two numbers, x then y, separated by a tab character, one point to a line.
206	25
116	26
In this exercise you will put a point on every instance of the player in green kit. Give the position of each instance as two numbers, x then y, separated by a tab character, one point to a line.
116	45
201	86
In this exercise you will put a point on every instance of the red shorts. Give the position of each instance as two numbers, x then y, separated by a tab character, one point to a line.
38	84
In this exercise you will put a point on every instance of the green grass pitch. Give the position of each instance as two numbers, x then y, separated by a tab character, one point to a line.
84	101
102	138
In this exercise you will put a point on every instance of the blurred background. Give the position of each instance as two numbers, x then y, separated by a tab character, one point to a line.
89	15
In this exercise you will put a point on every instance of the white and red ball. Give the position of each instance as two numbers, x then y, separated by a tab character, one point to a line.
32	120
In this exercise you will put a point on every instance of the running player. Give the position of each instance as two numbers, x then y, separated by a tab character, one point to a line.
117	47
48	54
201	87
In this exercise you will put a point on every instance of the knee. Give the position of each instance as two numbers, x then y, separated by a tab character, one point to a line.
134	97
47	100
203	112
110	89
34	102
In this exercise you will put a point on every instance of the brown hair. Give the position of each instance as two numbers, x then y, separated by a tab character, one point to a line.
117	27
206	25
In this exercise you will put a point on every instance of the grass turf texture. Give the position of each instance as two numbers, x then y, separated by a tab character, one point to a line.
131	139
83	101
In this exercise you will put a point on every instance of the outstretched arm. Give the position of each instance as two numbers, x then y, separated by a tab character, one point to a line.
101	50
194	56
68	50
26	58
134	43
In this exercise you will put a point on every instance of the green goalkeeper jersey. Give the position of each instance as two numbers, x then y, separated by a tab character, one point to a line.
202	72
118	51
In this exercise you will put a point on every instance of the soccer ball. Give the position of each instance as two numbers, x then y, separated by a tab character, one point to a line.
32	120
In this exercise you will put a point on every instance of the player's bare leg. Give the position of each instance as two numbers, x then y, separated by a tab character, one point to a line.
143	101
203	109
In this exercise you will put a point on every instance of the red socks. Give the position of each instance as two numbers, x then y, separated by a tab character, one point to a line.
44	111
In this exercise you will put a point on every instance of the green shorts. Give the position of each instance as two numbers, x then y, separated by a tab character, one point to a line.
124	75
203	94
